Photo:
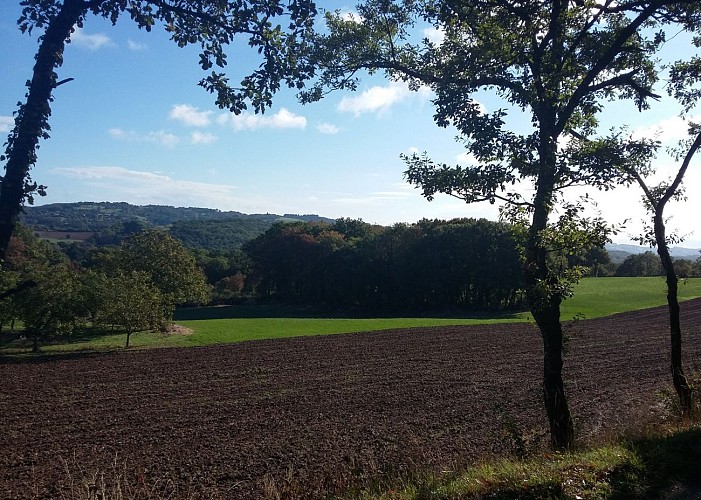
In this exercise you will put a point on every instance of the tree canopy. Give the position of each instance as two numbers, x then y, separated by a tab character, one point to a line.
556	62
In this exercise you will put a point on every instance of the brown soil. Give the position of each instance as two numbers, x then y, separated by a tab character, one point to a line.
308	416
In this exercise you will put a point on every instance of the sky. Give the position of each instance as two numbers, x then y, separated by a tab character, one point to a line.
134	126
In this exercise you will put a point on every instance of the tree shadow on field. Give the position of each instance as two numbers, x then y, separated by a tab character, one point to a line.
669	468
16	348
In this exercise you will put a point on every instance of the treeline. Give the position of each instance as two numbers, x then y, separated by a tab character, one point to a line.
464	264
98	216
133	278
649	264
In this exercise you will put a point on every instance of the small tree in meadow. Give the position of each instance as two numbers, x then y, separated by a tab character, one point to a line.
133	303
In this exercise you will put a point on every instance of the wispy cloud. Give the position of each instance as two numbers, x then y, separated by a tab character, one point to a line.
380	99
327	128
150	187
92	42
159	137
136	46
466	158
283	119
400	191
351	16
6	123
190	115
666	131
202	138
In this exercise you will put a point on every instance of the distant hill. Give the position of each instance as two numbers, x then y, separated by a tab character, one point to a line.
96	216
105	223
618	252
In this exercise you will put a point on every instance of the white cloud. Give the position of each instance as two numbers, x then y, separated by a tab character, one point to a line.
6	123
379	99
136	46
327	128
248	121
413	150
149	187
202	138
190	115
351	16
466	158
667	131
90	42
435	35
159	137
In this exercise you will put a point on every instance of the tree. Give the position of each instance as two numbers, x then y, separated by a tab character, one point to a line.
170	266
49	307
557	62
641	265
656	199
134	303
213	24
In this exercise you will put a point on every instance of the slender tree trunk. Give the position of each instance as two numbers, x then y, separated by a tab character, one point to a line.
681	385
31	123
128	335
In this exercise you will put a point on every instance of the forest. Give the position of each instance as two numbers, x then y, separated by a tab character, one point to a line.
347	266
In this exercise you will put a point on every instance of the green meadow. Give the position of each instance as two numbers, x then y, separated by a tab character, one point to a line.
594	297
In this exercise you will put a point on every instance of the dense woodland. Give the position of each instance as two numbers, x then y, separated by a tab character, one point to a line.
347	265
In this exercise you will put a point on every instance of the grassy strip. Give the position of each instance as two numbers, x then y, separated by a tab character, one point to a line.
649	467
236	330
224	331
594	297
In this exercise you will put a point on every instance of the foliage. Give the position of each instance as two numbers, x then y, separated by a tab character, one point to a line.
103	216
169	265
134	303
644	264
431	265
222	235
52	306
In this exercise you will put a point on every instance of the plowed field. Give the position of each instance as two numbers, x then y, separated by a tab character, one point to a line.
305	417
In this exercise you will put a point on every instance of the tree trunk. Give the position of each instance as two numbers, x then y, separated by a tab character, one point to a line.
556	407
681	385
128	335
31	123
35	344
544	299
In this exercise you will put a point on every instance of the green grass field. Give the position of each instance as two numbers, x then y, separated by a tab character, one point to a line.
594	297
598	297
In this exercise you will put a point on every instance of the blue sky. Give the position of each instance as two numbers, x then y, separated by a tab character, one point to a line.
134	126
